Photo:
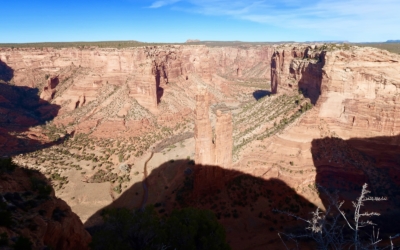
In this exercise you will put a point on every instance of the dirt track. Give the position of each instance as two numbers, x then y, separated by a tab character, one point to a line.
145	184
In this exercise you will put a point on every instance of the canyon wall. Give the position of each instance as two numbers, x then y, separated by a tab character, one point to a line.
109	93
355	92
146	70
355	89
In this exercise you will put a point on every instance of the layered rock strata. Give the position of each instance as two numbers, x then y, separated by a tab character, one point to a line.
223	139
217	152
145	70
204	148
50	89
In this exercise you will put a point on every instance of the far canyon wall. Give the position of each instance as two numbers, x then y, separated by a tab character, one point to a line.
355	90
145	70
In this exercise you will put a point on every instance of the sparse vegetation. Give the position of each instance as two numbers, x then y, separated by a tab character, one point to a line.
335	229
391	47
279	112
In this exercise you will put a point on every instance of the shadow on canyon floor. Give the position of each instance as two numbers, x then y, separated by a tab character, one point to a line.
6	73
242	203
353	162
20	109
258	94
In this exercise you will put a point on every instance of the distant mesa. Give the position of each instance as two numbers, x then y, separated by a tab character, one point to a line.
393	41
329	41
192	41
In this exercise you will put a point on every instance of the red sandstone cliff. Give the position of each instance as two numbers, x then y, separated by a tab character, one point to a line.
354	88
145	70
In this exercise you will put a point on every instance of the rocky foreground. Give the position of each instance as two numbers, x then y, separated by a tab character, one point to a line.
299	115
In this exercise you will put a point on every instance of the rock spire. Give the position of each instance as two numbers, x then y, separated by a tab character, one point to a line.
208	151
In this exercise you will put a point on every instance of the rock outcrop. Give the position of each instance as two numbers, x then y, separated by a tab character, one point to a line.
204	148
99	88
223	139
28	201
298	68
217	152
49	90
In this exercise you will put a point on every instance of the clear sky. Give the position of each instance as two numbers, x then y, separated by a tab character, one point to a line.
178	20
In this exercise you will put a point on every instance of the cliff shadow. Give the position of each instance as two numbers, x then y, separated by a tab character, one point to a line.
29	210
311	79
6	73
159	89
242	203
258	94
343	166
20	109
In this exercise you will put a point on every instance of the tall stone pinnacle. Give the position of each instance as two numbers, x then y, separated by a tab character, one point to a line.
203	133
207	152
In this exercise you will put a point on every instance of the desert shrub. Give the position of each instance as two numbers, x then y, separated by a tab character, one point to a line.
118	188
121	157
3	239
22	243
5	215
335	228
58	214
6	165
40	186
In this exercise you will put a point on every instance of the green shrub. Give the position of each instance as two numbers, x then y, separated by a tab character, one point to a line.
40	186
5	215
121	157
118	189
3	239
22	243
6	165
184	229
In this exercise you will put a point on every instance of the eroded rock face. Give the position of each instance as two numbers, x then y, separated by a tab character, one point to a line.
217	152
145	70
204	148
104	86
358	92
49	90
107	92
355	92
223	139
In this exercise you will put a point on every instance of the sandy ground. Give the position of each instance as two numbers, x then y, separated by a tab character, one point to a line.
86	199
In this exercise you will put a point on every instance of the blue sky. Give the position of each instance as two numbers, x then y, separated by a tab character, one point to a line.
179	20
